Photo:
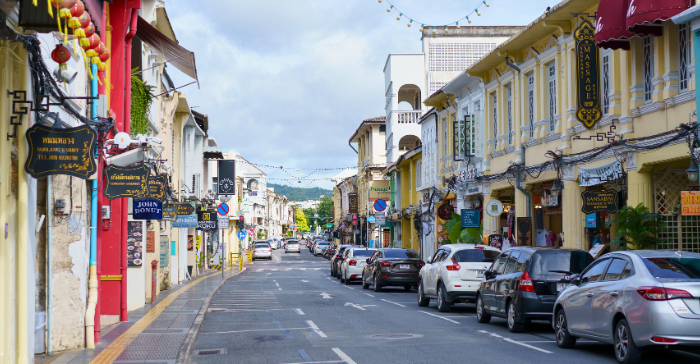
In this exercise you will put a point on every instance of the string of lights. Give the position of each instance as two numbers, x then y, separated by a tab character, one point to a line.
423	25
260	165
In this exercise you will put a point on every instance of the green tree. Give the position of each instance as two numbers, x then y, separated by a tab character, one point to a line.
302	221
637	228
325	211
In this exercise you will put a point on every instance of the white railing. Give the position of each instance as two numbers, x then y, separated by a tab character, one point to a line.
405	117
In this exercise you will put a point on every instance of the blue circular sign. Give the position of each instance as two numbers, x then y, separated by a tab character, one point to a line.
380	205
222	209
241	234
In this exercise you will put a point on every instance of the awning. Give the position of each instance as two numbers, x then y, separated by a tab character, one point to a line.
611	27
172	53
644	17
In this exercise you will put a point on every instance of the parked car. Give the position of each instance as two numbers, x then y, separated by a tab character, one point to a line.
392	267
337	259
292	246
273	244
353	263
262	250
523	283
320	245
634	300
454	273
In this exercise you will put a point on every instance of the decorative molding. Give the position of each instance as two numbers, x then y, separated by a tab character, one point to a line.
671	76
529	63
495	154
551	137
657	81
568	173
509	150
565	137
680	98
571	111
626	119
546	54
631	161
615	96
506	76
491	84
607	120
649	108
637	88
557	117
532	143
491	141
525	128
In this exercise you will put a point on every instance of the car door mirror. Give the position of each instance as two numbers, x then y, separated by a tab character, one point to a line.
575	279
488	274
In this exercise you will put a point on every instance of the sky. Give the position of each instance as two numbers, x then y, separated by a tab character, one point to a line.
287	82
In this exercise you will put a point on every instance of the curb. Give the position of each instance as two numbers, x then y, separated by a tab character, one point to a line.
183	356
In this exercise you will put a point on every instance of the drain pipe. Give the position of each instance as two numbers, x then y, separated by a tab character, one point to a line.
519	183
353	148
92	282
49	227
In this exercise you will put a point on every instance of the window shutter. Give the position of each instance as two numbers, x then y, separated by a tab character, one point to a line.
457	140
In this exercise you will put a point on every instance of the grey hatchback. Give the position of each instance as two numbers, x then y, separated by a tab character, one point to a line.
633	300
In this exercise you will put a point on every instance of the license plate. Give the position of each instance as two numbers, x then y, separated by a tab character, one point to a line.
404	266
561	286
479	274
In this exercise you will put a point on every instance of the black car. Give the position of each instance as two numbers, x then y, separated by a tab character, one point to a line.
523	284
392	267
337	260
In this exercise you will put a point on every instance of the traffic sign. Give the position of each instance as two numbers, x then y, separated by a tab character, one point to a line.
223	222
241	235
379	205
222	209
251	231
354	222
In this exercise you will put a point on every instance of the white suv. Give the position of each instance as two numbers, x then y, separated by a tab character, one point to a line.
454	274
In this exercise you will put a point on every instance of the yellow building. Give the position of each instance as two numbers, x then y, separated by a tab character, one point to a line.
408	171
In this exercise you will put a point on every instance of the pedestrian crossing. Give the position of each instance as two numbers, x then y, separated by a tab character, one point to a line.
282	269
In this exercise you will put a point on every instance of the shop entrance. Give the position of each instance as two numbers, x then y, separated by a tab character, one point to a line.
548	217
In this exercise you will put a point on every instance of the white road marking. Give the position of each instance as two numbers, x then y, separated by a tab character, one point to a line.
279	289
274	280
343	356
277	284
438	316
299	311
274	269
348	287
398	304
359	307
258	270
315	328
302	268
325	295
233	332
527	346
305	281
369	294
288	268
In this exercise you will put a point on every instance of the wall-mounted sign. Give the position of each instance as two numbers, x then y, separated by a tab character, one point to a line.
226	177
126	181
524	226
207	220
494	208
379	189
147	210
352	203
471	218
186	222
588	110
164	251
592	220
445	211
690	203
598	175
134	244
61	151
169	212
184	209
156	187
150	241
599	201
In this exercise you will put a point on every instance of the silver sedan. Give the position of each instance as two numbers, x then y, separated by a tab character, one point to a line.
634	300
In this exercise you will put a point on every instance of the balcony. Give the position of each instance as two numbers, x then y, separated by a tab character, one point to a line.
405	117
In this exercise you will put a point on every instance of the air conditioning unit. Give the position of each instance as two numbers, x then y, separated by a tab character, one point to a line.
196	186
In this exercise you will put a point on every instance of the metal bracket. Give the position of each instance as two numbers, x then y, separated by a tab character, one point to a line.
18	98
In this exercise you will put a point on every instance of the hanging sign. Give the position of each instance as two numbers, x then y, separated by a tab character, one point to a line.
379	190
445	211
126	181
156	187
207	220
471	218
352	203
690	203
601	174
61	151
169	212
588	110
599	201
524	226
150	241
494	208
147	210
184	209
226	177
186	218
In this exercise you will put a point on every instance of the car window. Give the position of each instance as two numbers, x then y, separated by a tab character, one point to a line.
475	255
522	262
674	268
376	255
262	245
511	262
400	253
595	272
553	264
436	256
362	252
618	269
500	263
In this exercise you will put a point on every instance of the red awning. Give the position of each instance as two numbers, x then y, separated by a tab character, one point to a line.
644	17
611	28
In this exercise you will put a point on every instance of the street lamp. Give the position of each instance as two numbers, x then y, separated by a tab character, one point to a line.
692	171
555	186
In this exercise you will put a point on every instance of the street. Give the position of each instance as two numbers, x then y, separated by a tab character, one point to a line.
290	310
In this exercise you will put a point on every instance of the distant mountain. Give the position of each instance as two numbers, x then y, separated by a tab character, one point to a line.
300	193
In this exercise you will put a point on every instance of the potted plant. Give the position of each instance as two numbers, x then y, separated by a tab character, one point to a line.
637	229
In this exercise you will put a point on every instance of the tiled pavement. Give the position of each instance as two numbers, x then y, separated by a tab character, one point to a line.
156	333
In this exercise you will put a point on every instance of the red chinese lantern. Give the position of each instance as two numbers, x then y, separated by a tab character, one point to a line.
84	20
90	42
94	53
76	11
61	55
89	30
104	56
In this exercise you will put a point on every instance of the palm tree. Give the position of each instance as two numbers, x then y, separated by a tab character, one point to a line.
637	228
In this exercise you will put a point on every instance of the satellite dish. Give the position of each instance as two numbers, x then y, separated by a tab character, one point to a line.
122	140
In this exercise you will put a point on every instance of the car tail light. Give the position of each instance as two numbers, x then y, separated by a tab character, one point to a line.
420	264
663	340
454	266
479	247
662	294
526	283
386	264
352	262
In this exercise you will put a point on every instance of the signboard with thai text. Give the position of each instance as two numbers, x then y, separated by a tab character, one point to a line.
68	151
156	187
690	203
598	175
126	182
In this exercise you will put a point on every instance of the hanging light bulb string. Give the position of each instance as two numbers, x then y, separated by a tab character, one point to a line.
411	20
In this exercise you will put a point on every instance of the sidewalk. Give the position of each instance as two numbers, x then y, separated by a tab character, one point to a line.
159	333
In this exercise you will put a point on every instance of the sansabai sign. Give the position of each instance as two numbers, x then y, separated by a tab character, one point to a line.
207	220
599	201
61	151
588	110
690	203
126	182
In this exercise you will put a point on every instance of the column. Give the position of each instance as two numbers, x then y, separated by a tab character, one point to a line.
490	222
640	189
573	219
521	210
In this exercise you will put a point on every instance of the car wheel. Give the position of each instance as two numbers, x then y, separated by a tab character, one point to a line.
347	280
564	339
365	285
442	304
340	276
626	351
377	286
513	324
422	300
481	315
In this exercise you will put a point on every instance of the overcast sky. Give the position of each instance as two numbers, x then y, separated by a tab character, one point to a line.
287	82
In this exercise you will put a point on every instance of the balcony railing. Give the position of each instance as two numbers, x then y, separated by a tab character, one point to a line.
405	117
